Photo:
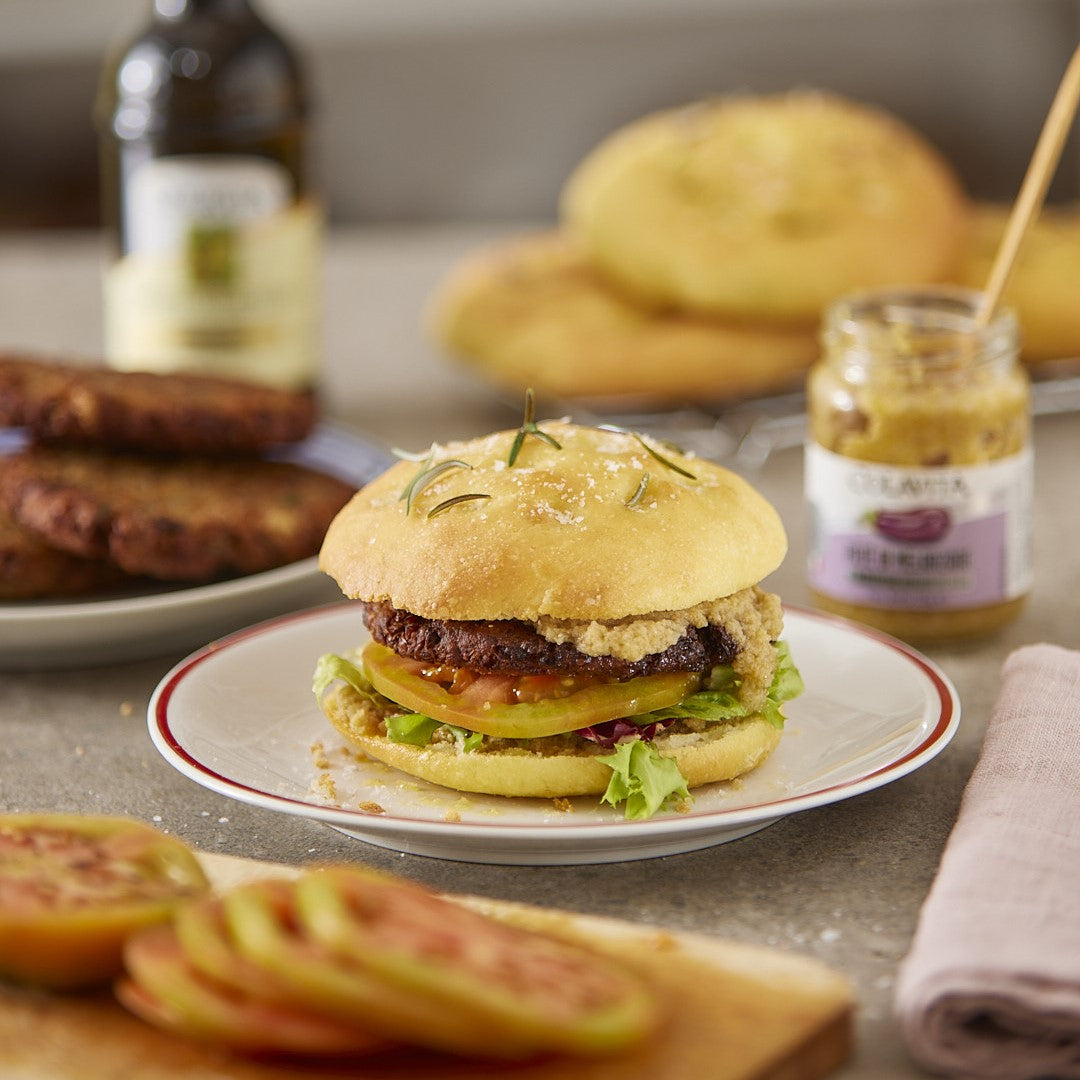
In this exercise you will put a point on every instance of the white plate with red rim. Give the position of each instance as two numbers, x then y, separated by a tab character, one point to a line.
154	618
239	717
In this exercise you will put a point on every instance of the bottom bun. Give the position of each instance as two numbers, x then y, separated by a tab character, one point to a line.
548	768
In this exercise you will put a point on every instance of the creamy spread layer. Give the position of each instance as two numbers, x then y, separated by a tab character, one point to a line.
752	617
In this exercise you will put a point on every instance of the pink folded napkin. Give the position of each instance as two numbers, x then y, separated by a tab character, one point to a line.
991	986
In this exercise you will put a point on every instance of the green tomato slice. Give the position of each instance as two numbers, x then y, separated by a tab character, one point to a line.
397	678
512	992
217	969
163	987
263	925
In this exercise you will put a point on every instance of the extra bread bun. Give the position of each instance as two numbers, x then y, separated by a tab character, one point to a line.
532	311
1045	279
550	769
555	535
766	207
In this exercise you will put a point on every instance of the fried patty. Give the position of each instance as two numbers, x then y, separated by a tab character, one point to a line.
514	647
182	519
161	414
31	570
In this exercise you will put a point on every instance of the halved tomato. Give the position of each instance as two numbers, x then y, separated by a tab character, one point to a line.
399	679
73	887
515	992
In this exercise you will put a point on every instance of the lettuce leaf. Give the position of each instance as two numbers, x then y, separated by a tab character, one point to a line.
786	684
412	728
469	740
719	700
331	667
418	730
704	705
642	778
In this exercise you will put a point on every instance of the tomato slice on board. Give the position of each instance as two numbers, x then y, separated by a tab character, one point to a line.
163	988
525	992
398	678
262	922
347	962
73	887
204	936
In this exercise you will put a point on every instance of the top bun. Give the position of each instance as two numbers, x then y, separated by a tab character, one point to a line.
556	537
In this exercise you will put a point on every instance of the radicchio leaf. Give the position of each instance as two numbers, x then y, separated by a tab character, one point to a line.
613	731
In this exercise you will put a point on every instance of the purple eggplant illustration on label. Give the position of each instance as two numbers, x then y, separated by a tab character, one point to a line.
919	526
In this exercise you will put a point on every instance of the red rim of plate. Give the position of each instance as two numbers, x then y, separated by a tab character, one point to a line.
938	737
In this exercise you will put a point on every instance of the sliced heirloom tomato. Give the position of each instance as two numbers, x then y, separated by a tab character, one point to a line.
73	887
203	935
164	988
262	922
398	678
347	962
515	992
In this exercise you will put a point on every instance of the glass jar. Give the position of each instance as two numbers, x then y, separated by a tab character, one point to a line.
919	472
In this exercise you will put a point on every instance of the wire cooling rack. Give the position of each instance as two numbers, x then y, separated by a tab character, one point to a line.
744	436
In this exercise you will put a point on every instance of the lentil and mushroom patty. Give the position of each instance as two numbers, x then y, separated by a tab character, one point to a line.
177	413
30	569
181	519
514	647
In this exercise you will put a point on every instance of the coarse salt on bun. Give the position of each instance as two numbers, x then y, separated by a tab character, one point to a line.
554	535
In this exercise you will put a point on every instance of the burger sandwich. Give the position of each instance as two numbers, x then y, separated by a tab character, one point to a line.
559	611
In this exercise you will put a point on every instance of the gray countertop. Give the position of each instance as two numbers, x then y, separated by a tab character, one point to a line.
843	883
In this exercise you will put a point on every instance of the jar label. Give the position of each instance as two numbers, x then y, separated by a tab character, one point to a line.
933	539
220	275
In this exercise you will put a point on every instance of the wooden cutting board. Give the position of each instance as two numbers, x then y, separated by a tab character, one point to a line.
734	1012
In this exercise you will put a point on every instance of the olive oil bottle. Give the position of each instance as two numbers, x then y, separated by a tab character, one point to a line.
203	120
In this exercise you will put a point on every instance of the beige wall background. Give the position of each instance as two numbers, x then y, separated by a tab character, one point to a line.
477	109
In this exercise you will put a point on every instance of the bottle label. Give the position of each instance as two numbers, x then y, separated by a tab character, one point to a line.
220	273
914	539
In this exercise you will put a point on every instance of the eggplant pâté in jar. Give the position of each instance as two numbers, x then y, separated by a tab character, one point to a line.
919	470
